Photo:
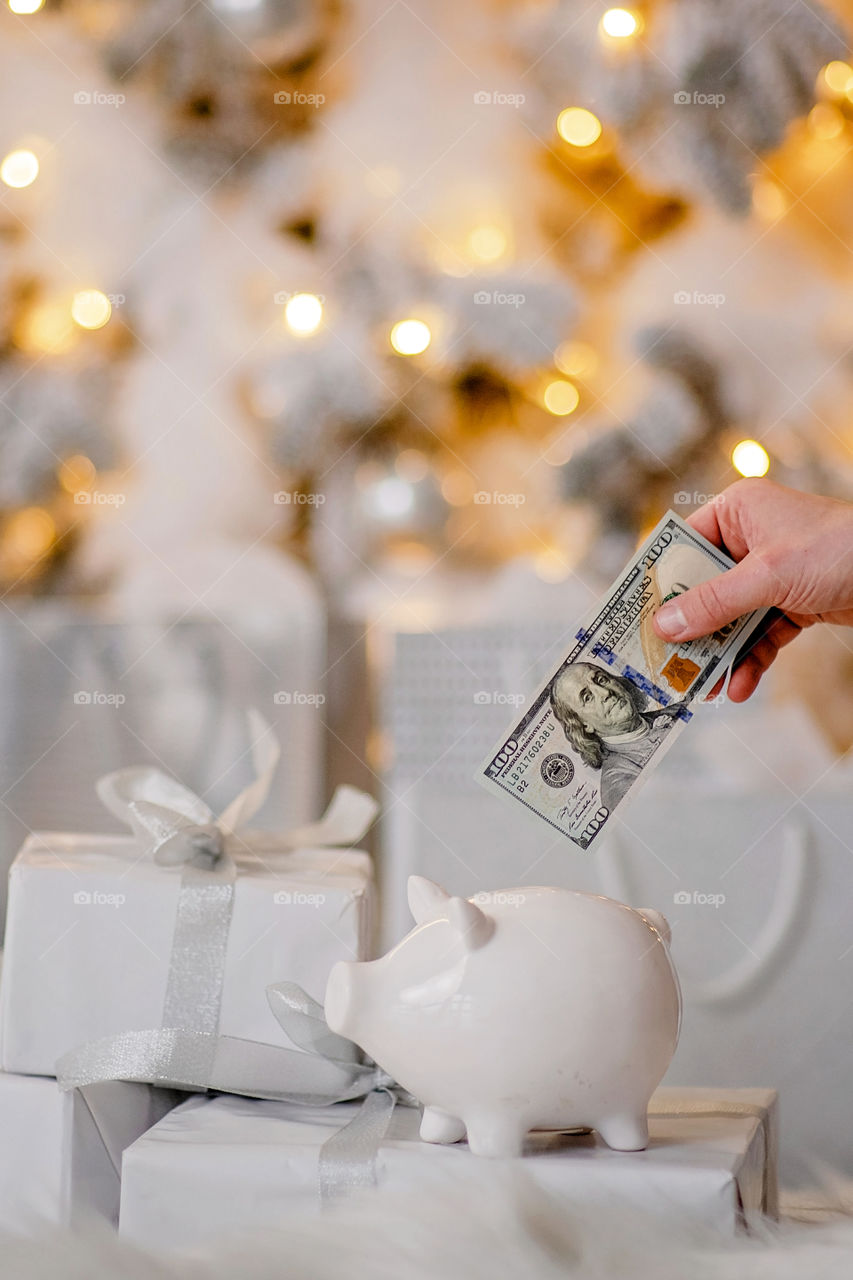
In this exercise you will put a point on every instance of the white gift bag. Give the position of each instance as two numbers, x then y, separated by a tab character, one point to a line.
743	837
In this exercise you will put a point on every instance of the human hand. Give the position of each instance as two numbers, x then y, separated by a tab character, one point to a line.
794	553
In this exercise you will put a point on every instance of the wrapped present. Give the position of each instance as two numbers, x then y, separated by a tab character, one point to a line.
60	1159
223	1166
139	952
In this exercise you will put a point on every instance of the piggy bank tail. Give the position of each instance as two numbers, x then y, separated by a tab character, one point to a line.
658	922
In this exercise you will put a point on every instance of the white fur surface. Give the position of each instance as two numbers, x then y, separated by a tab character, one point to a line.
510	1231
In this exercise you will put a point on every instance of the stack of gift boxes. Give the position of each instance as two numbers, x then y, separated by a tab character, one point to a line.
109	938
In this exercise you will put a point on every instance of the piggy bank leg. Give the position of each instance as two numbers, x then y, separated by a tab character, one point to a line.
438	1126
496	1135
626	1132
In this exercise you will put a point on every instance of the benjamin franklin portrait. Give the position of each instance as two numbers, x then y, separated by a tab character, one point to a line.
606	719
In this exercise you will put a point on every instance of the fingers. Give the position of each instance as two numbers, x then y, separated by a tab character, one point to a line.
712	604
759	658
705	521
726	518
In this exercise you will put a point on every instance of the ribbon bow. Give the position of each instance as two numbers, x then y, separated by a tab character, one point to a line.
177	828
348	1157
323	1070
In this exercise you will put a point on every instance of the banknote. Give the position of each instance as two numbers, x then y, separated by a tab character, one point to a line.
622	695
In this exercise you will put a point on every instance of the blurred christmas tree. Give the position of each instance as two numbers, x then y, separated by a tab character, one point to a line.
419	284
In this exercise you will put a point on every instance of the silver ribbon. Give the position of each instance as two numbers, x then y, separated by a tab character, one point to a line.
176	827
323	1070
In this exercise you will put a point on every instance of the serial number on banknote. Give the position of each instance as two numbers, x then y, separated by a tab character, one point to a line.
621	697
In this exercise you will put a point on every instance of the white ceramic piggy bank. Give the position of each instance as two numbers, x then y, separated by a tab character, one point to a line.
527	1009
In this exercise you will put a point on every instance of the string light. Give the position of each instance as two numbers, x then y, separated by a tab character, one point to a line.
577	359
19	168
410	337
25	6
620	23
561	398
751	458
487	243
578	127
303	313
91	309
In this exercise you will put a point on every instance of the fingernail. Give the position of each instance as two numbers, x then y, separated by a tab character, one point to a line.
671	620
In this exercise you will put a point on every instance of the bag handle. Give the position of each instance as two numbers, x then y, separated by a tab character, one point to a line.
780	926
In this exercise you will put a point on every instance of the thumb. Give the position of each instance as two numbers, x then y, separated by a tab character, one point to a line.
712	604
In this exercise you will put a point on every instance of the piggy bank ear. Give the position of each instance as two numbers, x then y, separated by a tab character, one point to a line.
657	921
472	925
427	900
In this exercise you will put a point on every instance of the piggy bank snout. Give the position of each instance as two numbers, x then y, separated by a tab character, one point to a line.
339	997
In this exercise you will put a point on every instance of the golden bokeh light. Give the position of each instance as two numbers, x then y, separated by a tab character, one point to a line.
410	337
825	121
750	458
619	24
29	533
303	313
19	168
577	359
561	397
838	77
77	473
487	243
578	127
551	565
46	328
457	488
25	6
769	200
91	309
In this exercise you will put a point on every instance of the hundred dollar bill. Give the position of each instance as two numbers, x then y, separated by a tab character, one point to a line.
621	696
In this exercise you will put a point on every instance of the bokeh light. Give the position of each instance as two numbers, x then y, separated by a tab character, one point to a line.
91	309
620	23
838	77
769	200
19	168
410	337
77	473
303	313
561	397
30	533
25	6
825	121
578	126
46	327
751	458
488	243
577	359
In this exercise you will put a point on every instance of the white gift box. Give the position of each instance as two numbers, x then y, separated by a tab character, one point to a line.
90	926
60	1155
217	1167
